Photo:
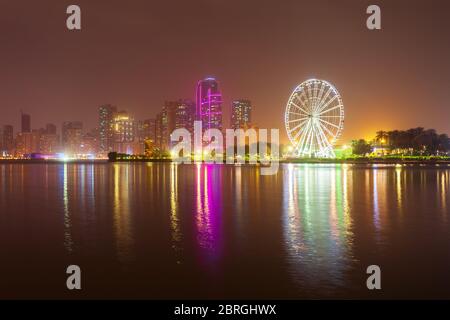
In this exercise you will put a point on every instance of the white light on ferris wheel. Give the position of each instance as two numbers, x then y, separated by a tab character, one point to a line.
314	119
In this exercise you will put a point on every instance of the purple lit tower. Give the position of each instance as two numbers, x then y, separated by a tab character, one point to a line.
209	104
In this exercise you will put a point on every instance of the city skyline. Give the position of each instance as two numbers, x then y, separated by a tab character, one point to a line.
118	130
59	75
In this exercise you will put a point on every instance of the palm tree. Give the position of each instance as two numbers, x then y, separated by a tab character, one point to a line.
382	137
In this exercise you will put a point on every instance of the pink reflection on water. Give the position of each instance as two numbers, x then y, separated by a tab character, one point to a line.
208	211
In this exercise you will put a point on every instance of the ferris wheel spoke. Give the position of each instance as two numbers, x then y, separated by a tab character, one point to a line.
331	116
296	113
324	135
311	143
322	101
304	131
333	135
295	120
318	97
310	138
314	146
306	94
297	126
315	90
300	128
310	94
321	140
323	107
329	123
318	137
304	137
315	96
331	109
298	97
300	108
304	103
299	132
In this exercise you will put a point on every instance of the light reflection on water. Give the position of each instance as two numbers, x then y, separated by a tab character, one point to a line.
309	231
122	215
317	224
208	211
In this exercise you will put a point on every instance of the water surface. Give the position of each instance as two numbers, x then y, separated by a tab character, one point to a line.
215	231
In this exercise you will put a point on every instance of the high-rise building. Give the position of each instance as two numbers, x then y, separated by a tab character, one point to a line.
106	128
49	140
167	123
185	115
26	144
146	129
89	143
124	133
6	140
209	104
241	114
147	136
159	130
174	115
71	137
49	143
26	123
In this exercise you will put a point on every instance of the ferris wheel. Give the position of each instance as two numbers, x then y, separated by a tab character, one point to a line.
314	119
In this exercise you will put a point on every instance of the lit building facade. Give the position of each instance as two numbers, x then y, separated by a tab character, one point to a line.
185	114
89	144
174	115
159	131
146	129
6	140
209	104
106	128
167	123
27	143
124	133
146	135
49	143
72	135
241	114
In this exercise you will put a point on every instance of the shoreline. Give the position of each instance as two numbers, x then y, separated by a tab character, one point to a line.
394	161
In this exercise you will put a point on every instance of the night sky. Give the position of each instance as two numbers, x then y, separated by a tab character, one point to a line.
137	54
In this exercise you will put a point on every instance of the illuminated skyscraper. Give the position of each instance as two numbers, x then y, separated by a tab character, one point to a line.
241	114
124	133
24	144
185	115
167	124
174	115
7	140
72	134
146	130
159	130
209	104
146	136
49	143
106	128
89	143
